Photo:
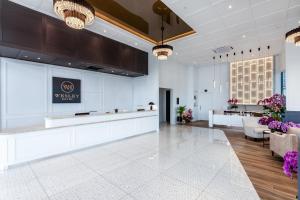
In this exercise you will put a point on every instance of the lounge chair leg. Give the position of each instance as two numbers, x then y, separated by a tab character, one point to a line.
272	153
246	137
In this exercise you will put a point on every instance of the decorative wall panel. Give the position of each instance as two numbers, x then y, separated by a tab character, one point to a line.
251	80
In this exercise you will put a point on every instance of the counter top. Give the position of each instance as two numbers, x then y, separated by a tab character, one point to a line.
72	120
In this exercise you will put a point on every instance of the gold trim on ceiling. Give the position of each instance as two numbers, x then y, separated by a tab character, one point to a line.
134	31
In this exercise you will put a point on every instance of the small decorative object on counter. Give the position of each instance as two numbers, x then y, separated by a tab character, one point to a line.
187	116
233	103
180	111
151	104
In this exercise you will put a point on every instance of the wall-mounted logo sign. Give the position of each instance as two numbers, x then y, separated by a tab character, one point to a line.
66	90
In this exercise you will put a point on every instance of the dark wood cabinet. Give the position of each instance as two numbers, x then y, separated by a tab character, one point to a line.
59	39
89	48
141	62
111	53
29	35
128	57
21	27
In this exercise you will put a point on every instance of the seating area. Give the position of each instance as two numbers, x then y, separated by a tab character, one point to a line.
252	129
280	144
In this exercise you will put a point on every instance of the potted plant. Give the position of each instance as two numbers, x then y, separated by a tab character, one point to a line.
233	103
180	111
274	106
290	164
187	116
278	126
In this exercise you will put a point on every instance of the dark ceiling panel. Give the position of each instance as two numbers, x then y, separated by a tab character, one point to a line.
36	37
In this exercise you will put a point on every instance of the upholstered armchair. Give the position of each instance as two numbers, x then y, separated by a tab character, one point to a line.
280	144
252	128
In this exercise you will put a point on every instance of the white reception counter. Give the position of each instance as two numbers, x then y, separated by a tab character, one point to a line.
68	133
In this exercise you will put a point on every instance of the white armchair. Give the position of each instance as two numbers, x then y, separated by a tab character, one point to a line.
252	128
280	144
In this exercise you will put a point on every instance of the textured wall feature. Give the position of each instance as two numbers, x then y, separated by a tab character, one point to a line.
251	80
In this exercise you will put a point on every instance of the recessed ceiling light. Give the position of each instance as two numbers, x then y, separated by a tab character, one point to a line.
135	43
299	21
176	53
244	36
104	30
230	6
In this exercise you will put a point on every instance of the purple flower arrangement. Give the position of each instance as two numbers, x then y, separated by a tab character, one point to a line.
265	120
274	106
278	126
290	163
292	124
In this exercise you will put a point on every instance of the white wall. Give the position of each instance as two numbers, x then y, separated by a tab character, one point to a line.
178	78
26	90
292	58
214	98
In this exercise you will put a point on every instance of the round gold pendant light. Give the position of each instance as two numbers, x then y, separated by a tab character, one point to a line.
162	51
76	13
293	36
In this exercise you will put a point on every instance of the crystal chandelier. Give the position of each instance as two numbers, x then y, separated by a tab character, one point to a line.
162	51
293	36
76	13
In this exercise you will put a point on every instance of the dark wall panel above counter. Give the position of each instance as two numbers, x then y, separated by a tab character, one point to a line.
21	28
29	35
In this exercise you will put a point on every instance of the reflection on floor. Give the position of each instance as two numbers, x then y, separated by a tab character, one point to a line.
264	171
180	163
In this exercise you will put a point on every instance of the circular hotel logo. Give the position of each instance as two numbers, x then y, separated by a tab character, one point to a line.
67	86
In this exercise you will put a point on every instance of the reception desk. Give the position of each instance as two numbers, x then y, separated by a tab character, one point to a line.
69	133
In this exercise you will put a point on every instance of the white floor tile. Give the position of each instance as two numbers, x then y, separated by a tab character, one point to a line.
27	190
192	174
131	176
93	189
159	161
65	179
165	188
107	163
53	165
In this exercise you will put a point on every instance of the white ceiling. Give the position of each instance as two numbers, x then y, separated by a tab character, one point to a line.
261	22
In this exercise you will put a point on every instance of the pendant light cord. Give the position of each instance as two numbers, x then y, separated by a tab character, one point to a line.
162	29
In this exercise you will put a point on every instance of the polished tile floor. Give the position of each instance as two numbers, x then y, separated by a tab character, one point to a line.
179	163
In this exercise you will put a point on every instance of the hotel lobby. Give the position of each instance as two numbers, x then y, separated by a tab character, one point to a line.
149	99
